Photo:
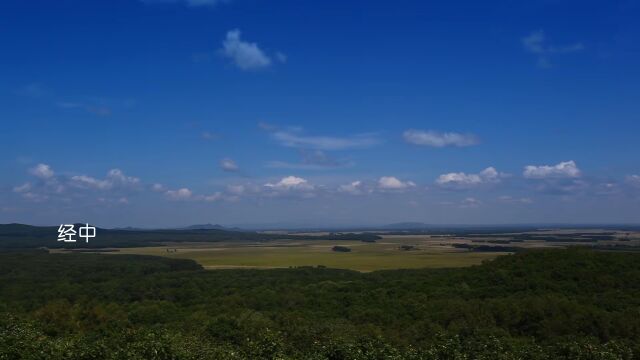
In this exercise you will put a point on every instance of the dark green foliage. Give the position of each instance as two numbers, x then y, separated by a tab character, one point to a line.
551	304
18	236
338	248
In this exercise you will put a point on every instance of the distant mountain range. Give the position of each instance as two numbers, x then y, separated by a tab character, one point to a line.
208	227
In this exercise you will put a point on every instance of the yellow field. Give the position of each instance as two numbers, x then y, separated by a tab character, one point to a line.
383	254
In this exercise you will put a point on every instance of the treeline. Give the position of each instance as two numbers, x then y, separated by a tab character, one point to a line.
19	236
546	304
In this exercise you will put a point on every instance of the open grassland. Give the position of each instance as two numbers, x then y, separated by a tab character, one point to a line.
421	251
384	254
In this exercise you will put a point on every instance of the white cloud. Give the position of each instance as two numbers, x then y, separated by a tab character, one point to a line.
114	178
566	169
236	189
290	183
213	197
393	183
22	188
281	57
180	194
437	139
463	180
245	55
229	165
99	110
512	200
470	203
207	135
190	3
354	188
311	160
35	197
88	181
293	138
42	171
536	43
33	90
633	180
158	187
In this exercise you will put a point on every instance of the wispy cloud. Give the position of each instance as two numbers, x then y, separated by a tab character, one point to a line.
566	169
311	160
207	135
295	138
114	178
229	165
93	105
42	171
438	139
245	55
536	43
633	180
190	3
514	200
470	202
99	110
33	90
353	188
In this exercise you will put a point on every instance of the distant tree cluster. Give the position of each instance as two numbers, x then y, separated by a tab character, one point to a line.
338	248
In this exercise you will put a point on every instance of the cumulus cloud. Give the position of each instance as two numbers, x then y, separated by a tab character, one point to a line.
290	183
55	187
229	165
114	178
294	138
42	171
536	43
180	194
463	180
393	183
354	188
438	139
566	169
245	55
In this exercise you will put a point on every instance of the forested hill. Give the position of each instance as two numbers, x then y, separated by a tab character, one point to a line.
20	236
542	304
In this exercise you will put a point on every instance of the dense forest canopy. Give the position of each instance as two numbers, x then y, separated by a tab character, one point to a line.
558	304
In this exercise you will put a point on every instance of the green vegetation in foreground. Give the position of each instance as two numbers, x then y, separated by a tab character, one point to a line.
363	257
540	304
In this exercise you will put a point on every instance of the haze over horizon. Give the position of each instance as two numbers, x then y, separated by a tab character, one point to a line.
163	113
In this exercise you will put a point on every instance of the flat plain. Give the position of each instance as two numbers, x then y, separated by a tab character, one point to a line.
390	252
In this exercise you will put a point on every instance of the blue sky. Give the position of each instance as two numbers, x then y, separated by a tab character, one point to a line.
175	112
